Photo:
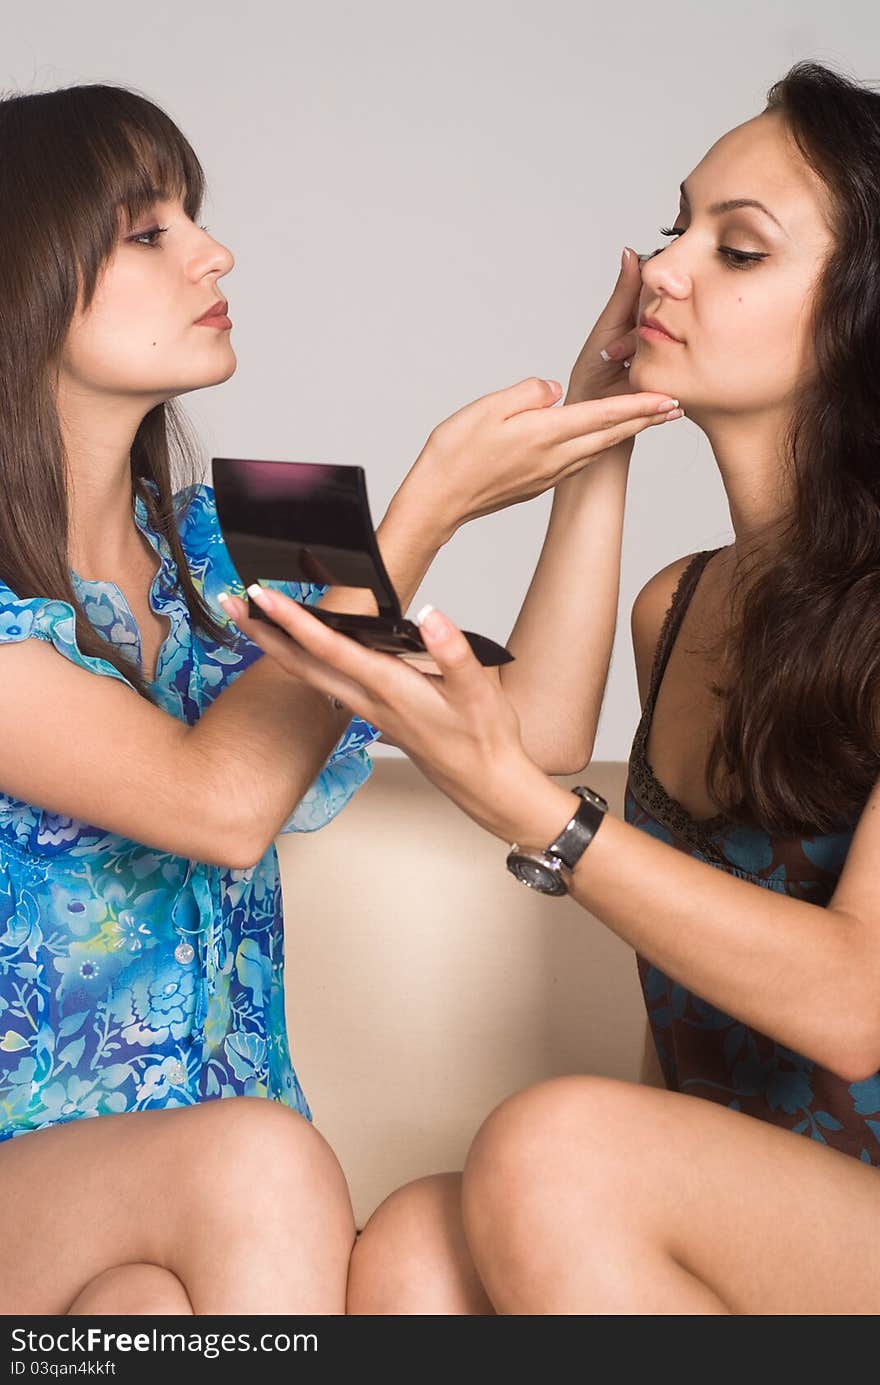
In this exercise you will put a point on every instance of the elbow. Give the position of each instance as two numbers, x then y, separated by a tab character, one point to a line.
237	859
245	848
574	764
857	1064
557	761
857	1052
856	1055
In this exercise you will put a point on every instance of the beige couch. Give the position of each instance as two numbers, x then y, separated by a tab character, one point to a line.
425	984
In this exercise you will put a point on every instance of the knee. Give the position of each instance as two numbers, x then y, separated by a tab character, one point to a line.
411	1257
134	1289
255	1158
566	1137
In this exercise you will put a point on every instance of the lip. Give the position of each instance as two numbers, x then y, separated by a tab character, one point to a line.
656	331
218	309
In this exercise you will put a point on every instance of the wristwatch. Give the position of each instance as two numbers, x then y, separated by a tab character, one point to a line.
550	871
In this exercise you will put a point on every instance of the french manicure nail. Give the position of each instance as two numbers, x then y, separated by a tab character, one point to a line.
667	404
260	595
424	613
675	413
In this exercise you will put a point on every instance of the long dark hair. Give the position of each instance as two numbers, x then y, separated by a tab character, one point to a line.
73	164
798	744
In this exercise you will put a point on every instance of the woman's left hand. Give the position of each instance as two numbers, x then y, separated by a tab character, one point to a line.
459	728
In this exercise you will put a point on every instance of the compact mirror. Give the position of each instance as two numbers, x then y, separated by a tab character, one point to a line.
307	522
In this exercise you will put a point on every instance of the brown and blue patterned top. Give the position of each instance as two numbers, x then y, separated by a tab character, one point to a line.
701	1050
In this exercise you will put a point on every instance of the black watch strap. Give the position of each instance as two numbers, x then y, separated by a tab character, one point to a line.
576	836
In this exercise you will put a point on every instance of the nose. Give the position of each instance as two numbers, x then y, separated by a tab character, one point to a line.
223	259
663	275
215	258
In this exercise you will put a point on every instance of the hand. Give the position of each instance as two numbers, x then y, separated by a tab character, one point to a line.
459	728
616	332
510	446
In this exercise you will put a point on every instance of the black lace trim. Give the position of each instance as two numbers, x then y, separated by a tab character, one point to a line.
646	787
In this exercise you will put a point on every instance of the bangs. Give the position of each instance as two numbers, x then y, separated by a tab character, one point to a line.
155	165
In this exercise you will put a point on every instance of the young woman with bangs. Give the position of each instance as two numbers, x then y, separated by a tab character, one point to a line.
157	1153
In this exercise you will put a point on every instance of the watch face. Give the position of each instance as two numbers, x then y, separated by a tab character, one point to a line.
532	872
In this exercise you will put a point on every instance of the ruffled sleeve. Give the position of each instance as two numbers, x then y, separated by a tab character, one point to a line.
50	620
348	765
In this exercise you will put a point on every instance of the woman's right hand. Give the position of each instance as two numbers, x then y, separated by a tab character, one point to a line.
615	333
510	446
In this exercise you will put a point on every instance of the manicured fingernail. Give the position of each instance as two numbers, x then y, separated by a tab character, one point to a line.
604	354
624	259
425	611
261	596
667	404
436	625
676	413
223	597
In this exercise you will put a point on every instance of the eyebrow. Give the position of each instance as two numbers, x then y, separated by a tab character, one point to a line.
717	208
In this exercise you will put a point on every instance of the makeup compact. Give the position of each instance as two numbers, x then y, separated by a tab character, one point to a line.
307	522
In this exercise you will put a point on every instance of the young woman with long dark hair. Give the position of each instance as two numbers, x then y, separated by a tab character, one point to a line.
745	872
152	754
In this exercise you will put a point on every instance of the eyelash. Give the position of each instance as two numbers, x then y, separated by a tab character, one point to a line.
156	231
736	259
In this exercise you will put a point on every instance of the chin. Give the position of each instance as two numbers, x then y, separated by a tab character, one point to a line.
646	378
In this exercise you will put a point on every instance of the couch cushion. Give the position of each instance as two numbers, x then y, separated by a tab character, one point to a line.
424	983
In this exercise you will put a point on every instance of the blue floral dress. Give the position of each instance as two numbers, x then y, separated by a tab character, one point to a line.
130	978
701	1050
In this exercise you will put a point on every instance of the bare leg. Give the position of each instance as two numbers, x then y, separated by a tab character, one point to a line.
412	1258
132	1289
240	1199
589	1195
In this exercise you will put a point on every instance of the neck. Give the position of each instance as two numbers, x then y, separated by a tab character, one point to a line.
748	452
103	538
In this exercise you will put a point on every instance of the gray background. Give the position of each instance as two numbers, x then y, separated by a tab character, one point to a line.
429	202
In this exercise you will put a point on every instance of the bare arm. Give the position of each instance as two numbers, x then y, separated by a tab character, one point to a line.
268	735
564	633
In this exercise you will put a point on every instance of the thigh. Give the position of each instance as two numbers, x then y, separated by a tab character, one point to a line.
772	1221
143	1187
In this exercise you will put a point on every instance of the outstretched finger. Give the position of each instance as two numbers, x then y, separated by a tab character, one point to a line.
596	416
297	647
463	677
592	444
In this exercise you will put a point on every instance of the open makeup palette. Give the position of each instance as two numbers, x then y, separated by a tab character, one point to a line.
306	522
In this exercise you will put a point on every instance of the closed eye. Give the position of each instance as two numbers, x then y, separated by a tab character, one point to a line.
734	259
140	238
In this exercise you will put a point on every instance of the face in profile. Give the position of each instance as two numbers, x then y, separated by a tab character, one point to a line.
138	337
735	286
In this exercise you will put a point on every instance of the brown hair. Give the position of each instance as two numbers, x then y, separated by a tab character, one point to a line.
73	164
798	745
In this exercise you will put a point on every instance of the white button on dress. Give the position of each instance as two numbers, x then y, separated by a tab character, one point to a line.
183	953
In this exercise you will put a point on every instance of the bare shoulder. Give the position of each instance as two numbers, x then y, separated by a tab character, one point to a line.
648	611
